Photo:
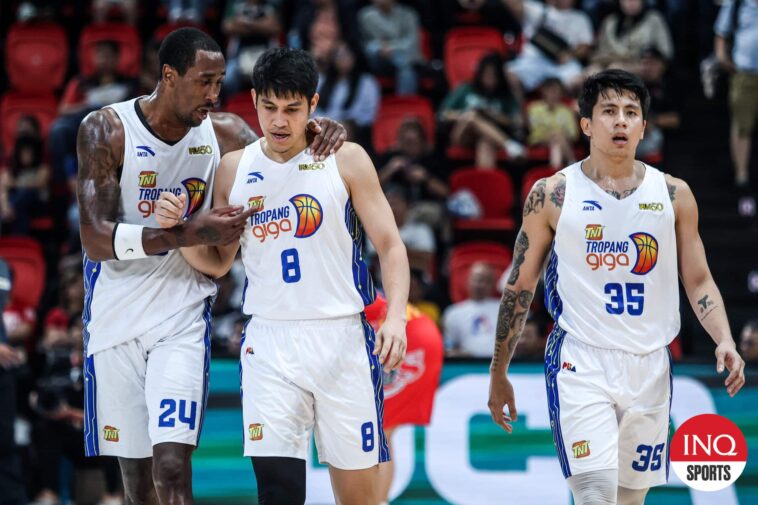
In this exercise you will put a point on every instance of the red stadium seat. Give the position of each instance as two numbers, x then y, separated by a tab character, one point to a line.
128	39
464	47
14	105
24	255
36	57
531	176
392	112
494	190
463	256
242	105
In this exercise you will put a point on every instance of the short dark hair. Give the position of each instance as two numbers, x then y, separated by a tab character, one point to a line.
179	48
111	45
285	71
617	80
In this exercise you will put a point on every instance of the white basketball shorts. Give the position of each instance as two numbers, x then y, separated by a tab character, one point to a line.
609	409
298	376
149	390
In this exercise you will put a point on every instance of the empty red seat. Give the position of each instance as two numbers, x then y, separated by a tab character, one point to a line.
15	104
242	105
24	255
464	47
128	39
36	57
494	191
463	256
392	112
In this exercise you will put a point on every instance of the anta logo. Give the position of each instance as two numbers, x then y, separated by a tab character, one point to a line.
147	179
593	232
609	254
255	431
581	449
254	177
409	372
110	433
200	150
591	205
273	222
653	206
568	366
310	166
144	151
256	203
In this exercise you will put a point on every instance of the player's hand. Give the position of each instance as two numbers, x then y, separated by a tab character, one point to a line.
727	356
218	227
391	343
501	394
329	137
9	357
169	209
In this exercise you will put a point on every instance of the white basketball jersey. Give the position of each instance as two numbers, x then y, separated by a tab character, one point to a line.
302	250
612	278
126	299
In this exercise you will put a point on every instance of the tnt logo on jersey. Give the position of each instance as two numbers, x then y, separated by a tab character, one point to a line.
255	432
147	179
256	203
593	232
271	223
610	254
581	449
196	194
110	434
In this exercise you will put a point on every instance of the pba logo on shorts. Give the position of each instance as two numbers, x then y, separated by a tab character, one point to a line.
110	433
309	215
195	194
147	179
255	431
581	449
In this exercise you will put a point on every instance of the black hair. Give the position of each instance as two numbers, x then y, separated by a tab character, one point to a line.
501	88
354	80
616	80
626	24
179	48
26	142
109	44
285	72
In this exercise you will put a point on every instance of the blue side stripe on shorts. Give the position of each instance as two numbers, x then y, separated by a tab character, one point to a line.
552	368
378	382
206	364
91	440
671	396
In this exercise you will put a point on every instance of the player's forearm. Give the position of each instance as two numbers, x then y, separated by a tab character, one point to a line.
395	279
98	240
514	307
708	305
207	260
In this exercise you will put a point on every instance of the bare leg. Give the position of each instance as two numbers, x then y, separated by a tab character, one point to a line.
486	154
631	496
138	481
740	155
355	487
386	471
172	473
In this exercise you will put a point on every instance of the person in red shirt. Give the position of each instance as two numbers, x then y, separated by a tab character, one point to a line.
409	390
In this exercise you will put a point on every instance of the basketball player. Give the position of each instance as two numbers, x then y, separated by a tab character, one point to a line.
619	232
309	357
147	362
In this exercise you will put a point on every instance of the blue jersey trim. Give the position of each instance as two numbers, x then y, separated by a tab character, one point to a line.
378	383
553	300
91	436
671	396
361	276
206	363
552	368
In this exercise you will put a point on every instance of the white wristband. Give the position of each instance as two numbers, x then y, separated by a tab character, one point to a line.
127	242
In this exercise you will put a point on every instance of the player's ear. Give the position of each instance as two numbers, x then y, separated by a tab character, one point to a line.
314	102
255	97
644	125
584	124
168	73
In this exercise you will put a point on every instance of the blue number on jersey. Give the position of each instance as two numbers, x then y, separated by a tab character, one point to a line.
367	432
634	298
650	457
167	419
290	266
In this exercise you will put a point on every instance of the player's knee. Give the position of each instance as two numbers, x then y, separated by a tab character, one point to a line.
594	488
170	470
628	496
138	480
281	481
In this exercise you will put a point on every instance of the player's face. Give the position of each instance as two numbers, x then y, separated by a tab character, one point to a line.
283	120
196	92
616	127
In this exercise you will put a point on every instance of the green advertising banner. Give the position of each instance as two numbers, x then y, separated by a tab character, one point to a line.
462	457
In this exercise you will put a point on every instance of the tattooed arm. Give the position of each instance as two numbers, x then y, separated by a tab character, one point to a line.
100	148
702	292
541	211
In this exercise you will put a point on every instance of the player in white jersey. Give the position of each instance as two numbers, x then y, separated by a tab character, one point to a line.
310	360
618	234
147	360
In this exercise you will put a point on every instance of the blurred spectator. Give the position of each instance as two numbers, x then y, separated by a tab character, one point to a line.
477	13
413	164
112	10
348	92
82	95
319	26
736	47
150	72
417	237
190	11
749	341
70	292
252	26
664	103
628	32
469	326
418	296
553	123
11	480
531	345
24	186
390	34
559	37
20	321
485	114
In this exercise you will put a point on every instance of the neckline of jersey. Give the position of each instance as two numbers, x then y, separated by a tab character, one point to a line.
281	163
599	189
143	120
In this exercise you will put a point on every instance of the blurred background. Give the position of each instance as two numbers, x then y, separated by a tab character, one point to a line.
463	105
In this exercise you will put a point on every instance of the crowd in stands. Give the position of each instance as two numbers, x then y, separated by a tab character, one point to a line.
462	105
